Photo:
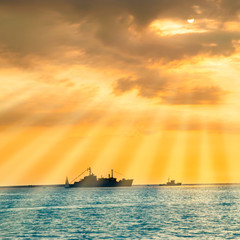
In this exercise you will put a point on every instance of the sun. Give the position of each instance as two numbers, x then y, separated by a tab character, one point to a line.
190	20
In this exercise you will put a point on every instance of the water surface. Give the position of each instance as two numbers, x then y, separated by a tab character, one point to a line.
121	213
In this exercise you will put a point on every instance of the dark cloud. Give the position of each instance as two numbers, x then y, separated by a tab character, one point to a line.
149	84
142	11
154	86
101	29
197	95
115	34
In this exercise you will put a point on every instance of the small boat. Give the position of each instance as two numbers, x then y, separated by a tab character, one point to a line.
91	180
171	183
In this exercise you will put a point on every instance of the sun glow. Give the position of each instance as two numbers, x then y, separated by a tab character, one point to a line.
168	28
190	20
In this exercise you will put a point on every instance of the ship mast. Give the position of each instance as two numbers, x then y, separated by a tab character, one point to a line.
90	171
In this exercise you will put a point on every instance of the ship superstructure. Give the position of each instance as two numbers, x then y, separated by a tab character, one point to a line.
171	183
91	180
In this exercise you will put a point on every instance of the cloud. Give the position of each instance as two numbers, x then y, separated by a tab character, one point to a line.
208	95
111	31
54	103
149	84
168	90
113	34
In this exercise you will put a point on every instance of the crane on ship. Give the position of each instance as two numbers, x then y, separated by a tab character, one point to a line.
67	182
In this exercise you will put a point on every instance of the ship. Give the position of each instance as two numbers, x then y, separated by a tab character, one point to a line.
171	183
91	180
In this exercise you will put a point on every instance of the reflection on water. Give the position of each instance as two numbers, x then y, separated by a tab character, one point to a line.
131	213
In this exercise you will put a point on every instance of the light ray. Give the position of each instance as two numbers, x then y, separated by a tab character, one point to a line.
127	153
39	152
205	173
218	153
13	131
106	158
20	96
175	156
159	165
74	155
144	155
231	141
192	157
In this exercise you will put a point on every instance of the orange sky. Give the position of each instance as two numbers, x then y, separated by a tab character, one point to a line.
149	88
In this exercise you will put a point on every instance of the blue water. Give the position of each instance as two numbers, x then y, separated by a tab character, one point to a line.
121	213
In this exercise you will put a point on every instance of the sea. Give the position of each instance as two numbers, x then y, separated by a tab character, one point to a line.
138	212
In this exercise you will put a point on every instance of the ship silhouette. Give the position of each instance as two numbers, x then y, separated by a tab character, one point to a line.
171	183
91	180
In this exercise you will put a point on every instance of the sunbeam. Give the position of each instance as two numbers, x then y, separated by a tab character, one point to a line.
104	162
218	155
17	97
74	155
175	156
41	145
205	169
141	162
13	131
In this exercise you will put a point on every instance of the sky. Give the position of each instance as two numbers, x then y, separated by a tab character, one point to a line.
149	88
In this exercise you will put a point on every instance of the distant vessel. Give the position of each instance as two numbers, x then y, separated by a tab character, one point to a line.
171	183
92	181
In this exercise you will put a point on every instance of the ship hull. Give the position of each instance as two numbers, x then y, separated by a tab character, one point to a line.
121	183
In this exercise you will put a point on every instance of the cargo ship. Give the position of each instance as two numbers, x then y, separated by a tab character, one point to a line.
91	180
171	183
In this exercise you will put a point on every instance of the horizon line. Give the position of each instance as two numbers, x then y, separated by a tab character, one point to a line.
136	185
